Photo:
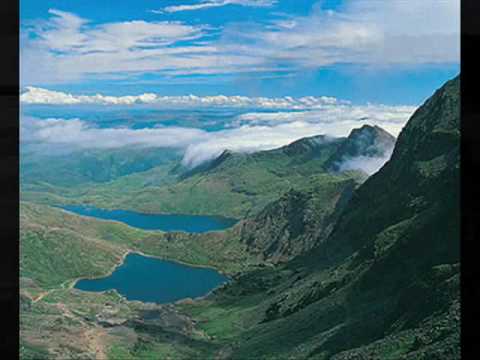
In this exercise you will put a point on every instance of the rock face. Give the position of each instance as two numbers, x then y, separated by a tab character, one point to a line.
296	222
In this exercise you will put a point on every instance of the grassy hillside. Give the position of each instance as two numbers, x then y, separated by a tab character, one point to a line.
234	185
57	321
92	166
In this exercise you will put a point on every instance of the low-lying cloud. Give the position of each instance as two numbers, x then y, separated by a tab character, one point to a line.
80	134
337	120
248	139
248	132
368	164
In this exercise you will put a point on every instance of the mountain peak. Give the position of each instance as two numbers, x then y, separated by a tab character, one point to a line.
372	144
306	145
369	141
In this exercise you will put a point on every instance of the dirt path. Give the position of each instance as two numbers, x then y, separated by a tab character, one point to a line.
41	295
96	343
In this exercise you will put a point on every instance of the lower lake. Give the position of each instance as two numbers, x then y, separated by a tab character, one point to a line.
187	223
149	279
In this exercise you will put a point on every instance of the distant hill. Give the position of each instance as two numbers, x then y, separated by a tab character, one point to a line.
92	166
233	184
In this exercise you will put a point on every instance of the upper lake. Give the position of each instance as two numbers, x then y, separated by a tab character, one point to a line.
187	223
150	279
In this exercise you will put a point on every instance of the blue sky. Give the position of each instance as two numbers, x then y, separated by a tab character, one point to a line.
395	52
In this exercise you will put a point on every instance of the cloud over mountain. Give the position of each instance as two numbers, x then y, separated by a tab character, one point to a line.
251	131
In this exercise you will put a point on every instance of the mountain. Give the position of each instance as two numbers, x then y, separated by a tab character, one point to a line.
384	284
311	147
92	166
233	184
366	143
205	166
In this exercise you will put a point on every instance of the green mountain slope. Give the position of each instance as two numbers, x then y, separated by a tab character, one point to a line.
234	184
384	284
92	166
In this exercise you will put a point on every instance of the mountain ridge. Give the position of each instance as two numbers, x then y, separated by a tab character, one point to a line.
233	184
385	283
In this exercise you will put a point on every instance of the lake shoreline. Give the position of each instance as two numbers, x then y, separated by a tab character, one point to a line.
217	223
72	283
61	204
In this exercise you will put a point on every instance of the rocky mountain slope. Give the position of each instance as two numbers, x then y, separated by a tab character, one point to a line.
384	284
299	220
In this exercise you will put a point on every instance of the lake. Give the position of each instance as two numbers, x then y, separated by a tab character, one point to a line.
150	279
187	223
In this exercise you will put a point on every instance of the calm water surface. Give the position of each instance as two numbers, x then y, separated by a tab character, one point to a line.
187	223
149	279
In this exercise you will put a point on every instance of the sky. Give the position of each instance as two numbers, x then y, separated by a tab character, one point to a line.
322	61
362	51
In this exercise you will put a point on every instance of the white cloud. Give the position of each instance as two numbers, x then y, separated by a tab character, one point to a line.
252	138
66	32
34	95
337	120
205	4
368	164
80	134
247	133
69	48
379	33
248	139
66	48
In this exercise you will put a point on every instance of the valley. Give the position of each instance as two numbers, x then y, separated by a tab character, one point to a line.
232	185
325	261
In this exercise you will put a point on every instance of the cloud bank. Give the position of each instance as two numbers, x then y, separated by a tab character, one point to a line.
248	132
336	120
287	120
34	95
